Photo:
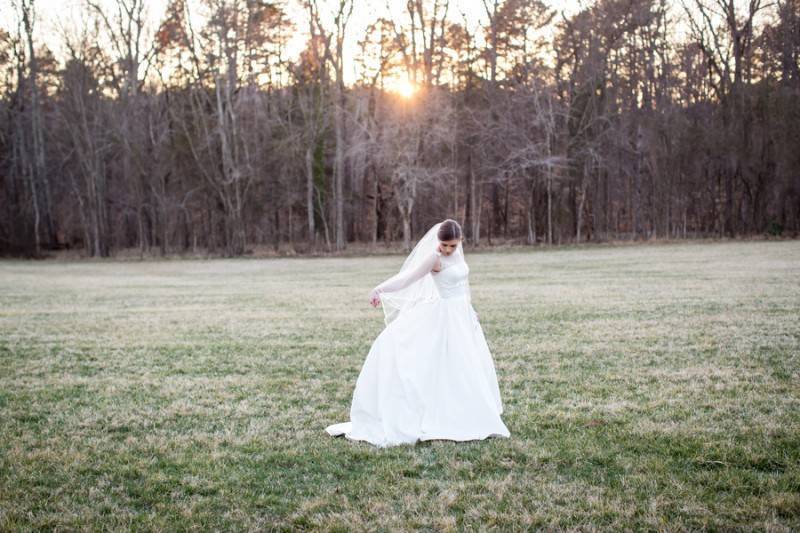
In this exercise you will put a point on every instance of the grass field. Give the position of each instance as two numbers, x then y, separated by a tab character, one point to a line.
645	387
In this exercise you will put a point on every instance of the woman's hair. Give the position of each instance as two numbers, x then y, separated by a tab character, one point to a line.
449	230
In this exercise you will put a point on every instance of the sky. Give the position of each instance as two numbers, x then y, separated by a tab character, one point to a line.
55	15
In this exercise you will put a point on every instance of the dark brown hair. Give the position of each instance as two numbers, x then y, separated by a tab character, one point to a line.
449	230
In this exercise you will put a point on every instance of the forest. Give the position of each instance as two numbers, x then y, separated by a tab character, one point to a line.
203	132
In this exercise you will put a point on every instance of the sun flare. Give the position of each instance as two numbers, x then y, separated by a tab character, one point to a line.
406	89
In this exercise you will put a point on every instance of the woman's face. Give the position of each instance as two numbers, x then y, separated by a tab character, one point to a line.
448	247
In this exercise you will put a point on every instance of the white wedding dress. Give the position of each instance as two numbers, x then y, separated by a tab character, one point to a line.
429	374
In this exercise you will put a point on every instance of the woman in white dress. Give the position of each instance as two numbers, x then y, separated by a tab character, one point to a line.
429	374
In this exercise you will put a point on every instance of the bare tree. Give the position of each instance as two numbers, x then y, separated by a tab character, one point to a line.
83	116
29	138
726	35
412	146
334	53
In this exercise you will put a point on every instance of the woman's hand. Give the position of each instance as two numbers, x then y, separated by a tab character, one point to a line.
374	298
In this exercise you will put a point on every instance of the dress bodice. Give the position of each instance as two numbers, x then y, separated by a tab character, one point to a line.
453	279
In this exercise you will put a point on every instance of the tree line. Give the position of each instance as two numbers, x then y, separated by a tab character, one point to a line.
627	119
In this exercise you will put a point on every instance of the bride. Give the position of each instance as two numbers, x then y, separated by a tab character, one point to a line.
429	374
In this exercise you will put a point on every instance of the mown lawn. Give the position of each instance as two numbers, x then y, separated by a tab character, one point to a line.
645	387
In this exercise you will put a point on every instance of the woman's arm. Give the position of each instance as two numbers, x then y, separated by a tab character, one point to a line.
401	280
469	291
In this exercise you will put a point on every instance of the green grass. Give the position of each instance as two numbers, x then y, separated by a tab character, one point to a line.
645	387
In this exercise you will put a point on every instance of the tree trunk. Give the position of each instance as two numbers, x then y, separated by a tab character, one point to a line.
531	215
549	206
338	173
312	233
406	215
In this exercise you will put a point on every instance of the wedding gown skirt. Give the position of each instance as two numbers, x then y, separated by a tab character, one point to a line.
428	375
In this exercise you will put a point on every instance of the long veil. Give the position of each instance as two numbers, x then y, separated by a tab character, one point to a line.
423	289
